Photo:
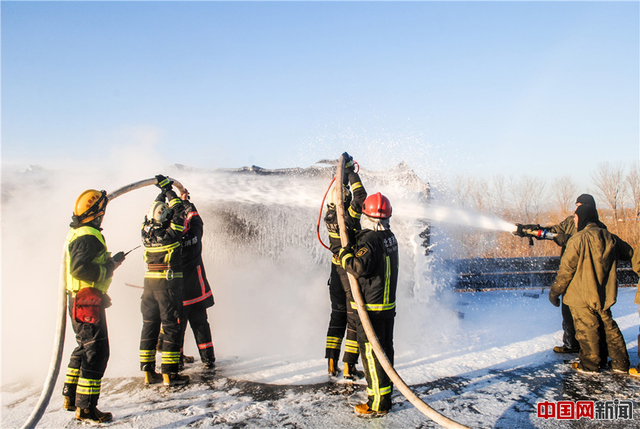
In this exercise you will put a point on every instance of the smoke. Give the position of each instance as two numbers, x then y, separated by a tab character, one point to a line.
264	263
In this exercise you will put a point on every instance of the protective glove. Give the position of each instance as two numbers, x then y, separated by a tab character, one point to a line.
117	259
345	251
349	165
163	182
554	299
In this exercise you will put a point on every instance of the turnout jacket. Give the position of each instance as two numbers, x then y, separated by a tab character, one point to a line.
162	247
587	273
353	211
88	263
375	265
566	229
196	288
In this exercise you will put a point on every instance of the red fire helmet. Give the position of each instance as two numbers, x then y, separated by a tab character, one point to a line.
377	206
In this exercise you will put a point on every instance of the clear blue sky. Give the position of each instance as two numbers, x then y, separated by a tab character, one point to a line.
538	88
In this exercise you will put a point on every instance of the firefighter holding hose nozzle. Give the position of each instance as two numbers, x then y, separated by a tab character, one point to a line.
89	271
161	303
352	195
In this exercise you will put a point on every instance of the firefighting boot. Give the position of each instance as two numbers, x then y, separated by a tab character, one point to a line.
152	377
365	411
563	349
577	366
68	403
209	363
333	367
93	414
174	379
184	359
351	373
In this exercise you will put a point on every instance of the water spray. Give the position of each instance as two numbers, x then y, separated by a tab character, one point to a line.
371	335
61	324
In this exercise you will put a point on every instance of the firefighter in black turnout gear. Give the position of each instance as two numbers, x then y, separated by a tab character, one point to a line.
197	295
343	316
161	304
89	271
373	261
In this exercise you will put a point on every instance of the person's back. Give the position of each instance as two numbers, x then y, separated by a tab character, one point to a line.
376	266
594	253
374	263
89	271
197	296
161	301
587	279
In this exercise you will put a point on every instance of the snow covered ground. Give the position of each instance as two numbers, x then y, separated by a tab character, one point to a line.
490	370
482	359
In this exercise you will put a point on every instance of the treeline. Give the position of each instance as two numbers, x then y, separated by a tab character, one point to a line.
536	201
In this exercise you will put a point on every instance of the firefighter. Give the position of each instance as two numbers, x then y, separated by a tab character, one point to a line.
564	230
343	316
373	261
636	267
197	295
161	303
89	271
587	279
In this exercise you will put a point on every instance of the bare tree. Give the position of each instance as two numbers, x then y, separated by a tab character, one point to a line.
565	191
609	179
500	205
633	183
479	194
529	196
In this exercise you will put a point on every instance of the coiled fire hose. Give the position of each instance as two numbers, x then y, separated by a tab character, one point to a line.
371	335
61	324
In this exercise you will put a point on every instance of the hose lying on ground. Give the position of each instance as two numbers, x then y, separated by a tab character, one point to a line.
61	324
371	335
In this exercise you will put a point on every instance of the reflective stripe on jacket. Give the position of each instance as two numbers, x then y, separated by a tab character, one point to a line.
375	265
163	248
104	279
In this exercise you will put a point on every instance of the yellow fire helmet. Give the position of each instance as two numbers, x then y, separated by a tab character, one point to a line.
90	205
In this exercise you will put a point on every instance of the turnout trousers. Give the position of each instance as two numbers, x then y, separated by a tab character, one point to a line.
591	325
343	318
196	316
379	386
569	331
88	360
161	309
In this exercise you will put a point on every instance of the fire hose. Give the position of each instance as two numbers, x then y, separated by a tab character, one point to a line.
61	324
371	335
